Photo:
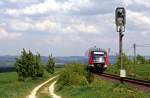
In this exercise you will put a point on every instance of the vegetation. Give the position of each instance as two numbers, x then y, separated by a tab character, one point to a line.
50	65
101	89
74	74
11	88
141	60
28	66
74	83
126	60
140	70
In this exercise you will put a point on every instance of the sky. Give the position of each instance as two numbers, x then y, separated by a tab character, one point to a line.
70	27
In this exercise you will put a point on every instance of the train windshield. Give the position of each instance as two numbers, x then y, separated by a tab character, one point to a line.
98	54
98	57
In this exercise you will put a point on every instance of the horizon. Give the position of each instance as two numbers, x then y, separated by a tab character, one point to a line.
73	55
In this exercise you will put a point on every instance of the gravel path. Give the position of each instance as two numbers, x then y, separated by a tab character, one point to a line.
34	91
51	90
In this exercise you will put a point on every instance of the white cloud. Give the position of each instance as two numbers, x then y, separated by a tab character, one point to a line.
18	25
4	35
47	25
22	1
42	7
139	19
64	7
1	2
143	2
33	25
80	28
53	26
140	2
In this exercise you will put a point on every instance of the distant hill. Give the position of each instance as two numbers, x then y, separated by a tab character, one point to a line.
8	61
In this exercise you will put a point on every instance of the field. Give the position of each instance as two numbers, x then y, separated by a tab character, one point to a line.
141	71
11	88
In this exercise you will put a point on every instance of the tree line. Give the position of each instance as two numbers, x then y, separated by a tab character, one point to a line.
28	65
138	60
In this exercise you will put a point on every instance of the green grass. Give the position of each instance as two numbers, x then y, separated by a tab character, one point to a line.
11	88
58	69
141	71
101	89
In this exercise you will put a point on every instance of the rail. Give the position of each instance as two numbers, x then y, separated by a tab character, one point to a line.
126	79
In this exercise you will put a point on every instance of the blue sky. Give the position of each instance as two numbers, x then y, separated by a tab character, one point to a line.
70	27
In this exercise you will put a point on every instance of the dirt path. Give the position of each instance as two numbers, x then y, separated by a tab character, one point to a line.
34	91
51	90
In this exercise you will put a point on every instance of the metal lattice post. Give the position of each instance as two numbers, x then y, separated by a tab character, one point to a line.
134	46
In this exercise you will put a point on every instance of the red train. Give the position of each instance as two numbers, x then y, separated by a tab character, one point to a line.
97	59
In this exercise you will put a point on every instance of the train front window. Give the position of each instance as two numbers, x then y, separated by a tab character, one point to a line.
98	54
98	57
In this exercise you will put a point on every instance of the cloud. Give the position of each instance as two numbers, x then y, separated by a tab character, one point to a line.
80	28
138	21
138	18
4	35
52	27
139	2
65	25
74	7
31	25
40	8
22	1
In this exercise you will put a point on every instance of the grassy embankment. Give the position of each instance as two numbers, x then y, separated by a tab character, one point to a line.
10	87
141	71
74	83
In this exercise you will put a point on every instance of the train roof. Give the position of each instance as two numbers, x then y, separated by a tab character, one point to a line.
97	49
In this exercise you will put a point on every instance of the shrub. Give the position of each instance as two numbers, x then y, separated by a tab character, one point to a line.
140	59
73	75
126	60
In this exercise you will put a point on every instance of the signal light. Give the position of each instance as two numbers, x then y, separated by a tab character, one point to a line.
120	15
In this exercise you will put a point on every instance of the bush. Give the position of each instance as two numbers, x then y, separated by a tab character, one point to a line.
50	65
140	59
73	75
126	60
28	65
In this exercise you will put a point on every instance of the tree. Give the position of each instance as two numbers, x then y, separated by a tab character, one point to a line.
50	64
140	59
28	65
38	66
20	66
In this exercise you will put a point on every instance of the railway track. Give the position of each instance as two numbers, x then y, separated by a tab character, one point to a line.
139	84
